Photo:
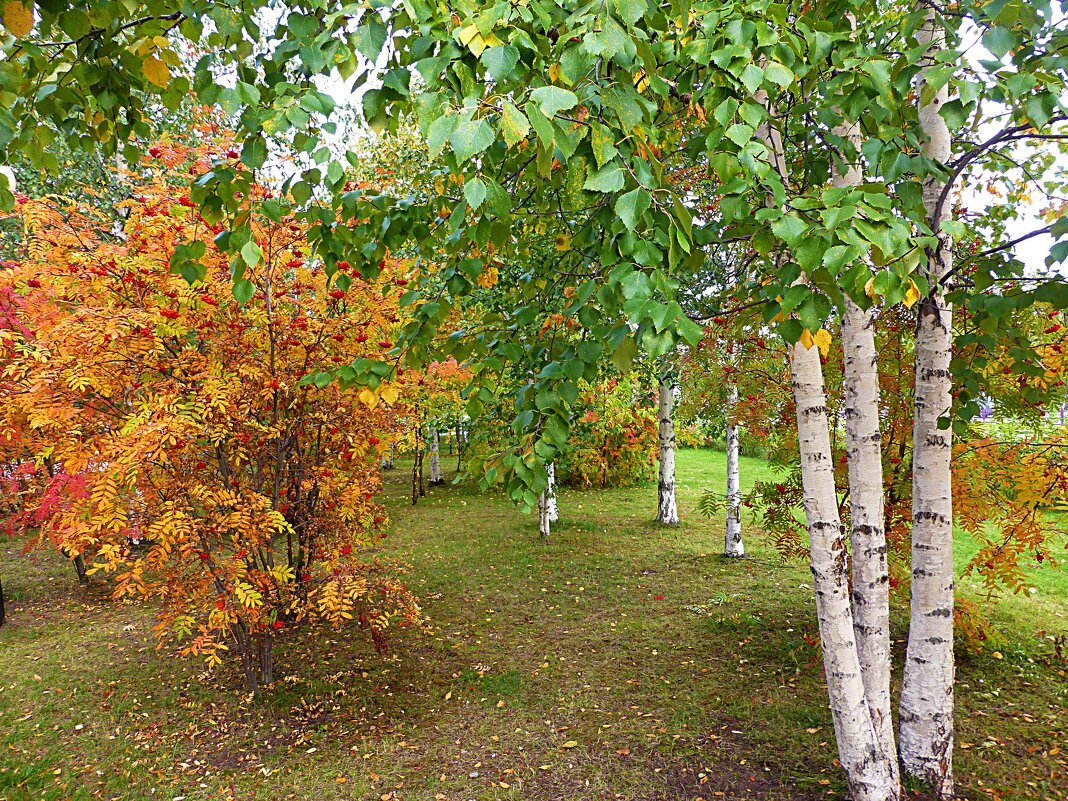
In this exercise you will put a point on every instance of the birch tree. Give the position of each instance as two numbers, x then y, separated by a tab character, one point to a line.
547	508
571	118
732	544
436	476
860	388
667	511
927	685
869	769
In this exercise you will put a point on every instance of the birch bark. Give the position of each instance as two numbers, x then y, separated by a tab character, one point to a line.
435	457
543	518
732	545
667	511
868	769
926	708
869	774
870	579
550	494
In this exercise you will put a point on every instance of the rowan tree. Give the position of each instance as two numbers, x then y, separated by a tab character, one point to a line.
169	432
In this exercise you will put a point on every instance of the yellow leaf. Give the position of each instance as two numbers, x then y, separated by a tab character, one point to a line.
823	340
641	82
570	744
389	394
563	243
912	295
472	39
18	18
157	72
368	398
869	288
806	339
554	72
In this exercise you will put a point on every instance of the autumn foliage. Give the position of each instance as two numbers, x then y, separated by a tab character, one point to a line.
613	440
169	434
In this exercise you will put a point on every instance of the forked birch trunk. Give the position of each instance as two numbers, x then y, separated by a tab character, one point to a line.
868	770
732	544
926	709
870	579
667	511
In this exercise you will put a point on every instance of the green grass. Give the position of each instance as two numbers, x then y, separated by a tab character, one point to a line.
675	673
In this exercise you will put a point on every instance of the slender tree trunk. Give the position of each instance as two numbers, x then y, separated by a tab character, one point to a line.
415	475
79	568
422	485
868	769
927	687
870	579
243	641
732	544
544	523
459	449
265	651
435	457
3	611
667	511
551	509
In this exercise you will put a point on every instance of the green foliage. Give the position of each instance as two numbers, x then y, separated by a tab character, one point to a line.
573	123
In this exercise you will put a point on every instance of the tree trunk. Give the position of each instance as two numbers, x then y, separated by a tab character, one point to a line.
927	687
543	516
732	544
415	476
870	579
265	651
79	568
435	457
459	450
419	461
3	612
550	494
243	642
667	511
868	769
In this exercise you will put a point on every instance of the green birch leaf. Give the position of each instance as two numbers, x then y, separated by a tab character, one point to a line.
631	206
500	61
470	138
552	99
514	124
607	179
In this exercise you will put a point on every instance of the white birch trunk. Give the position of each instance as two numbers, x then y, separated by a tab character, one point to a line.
868	770
544	524
550	494
732	544
667	511
927	688
870	579
435	457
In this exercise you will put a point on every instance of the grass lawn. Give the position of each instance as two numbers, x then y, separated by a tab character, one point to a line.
621	660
